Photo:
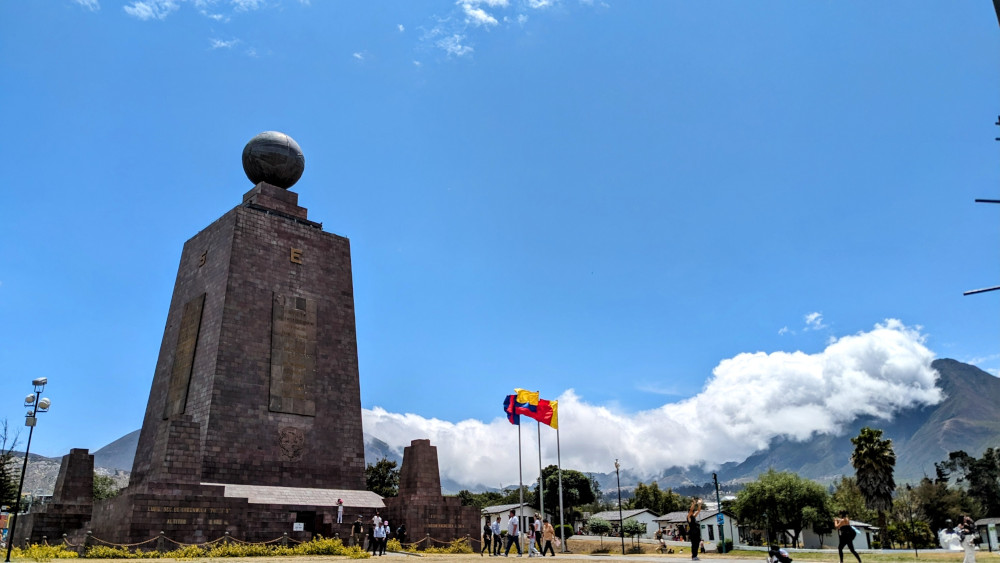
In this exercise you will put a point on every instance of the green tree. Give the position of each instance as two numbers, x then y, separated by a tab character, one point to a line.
937	503
599	526
105	487
818	520
780	501
9	472
907	525
847	496
511	495
874	462
657	500
382	478
577	490
633	528
480	500
902	533
979	477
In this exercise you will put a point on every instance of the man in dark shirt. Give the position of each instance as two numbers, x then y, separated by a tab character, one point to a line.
357	533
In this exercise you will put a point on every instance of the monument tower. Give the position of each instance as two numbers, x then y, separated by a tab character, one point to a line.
255	404
257	377
253	425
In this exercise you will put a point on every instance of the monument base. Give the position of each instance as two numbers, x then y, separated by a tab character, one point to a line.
189	513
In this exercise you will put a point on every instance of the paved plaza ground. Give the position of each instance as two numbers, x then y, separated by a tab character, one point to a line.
741	556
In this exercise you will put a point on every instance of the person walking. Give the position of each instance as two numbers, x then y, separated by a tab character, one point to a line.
846	535
497	538
967	531
548	534
487	538
513	537
694	529
531	540
538	532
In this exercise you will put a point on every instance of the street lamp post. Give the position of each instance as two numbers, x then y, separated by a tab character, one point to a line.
37	404
621	524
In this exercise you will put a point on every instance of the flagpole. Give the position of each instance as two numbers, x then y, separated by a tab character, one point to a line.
541	479
562	530
520	488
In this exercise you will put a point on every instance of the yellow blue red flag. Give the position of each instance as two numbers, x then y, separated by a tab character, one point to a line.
525	396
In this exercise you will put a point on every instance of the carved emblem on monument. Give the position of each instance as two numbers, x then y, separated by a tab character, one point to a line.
291	442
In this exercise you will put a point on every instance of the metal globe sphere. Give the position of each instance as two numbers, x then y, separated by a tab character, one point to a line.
275	158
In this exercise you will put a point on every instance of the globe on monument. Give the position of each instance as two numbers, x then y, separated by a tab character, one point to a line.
275	158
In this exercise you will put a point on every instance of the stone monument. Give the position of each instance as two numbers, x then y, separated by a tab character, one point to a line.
420	504
71	505
253	423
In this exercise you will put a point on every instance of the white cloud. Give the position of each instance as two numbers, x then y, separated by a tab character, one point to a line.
359	56
539	4
92	5
814	321
477	16
400	28
220	44
658	388
982	359
151	9
784	330
417	63
453	45
748	401
160	9
247	5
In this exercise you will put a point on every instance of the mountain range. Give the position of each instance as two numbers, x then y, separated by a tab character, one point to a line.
967	419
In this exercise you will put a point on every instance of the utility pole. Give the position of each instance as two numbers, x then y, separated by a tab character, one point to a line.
719	518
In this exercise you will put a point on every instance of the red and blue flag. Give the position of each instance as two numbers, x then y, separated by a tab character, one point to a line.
510	406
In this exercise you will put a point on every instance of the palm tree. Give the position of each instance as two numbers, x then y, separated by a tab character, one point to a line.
873	460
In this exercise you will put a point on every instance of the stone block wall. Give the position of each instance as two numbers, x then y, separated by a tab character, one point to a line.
71	506
260	341
421	506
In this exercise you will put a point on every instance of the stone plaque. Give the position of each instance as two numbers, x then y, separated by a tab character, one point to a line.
293	355
187	344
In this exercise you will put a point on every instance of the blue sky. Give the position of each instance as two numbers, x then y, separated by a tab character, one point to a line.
614	203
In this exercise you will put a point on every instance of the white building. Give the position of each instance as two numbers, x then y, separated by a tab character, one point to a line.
709	521
641	515
809	539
